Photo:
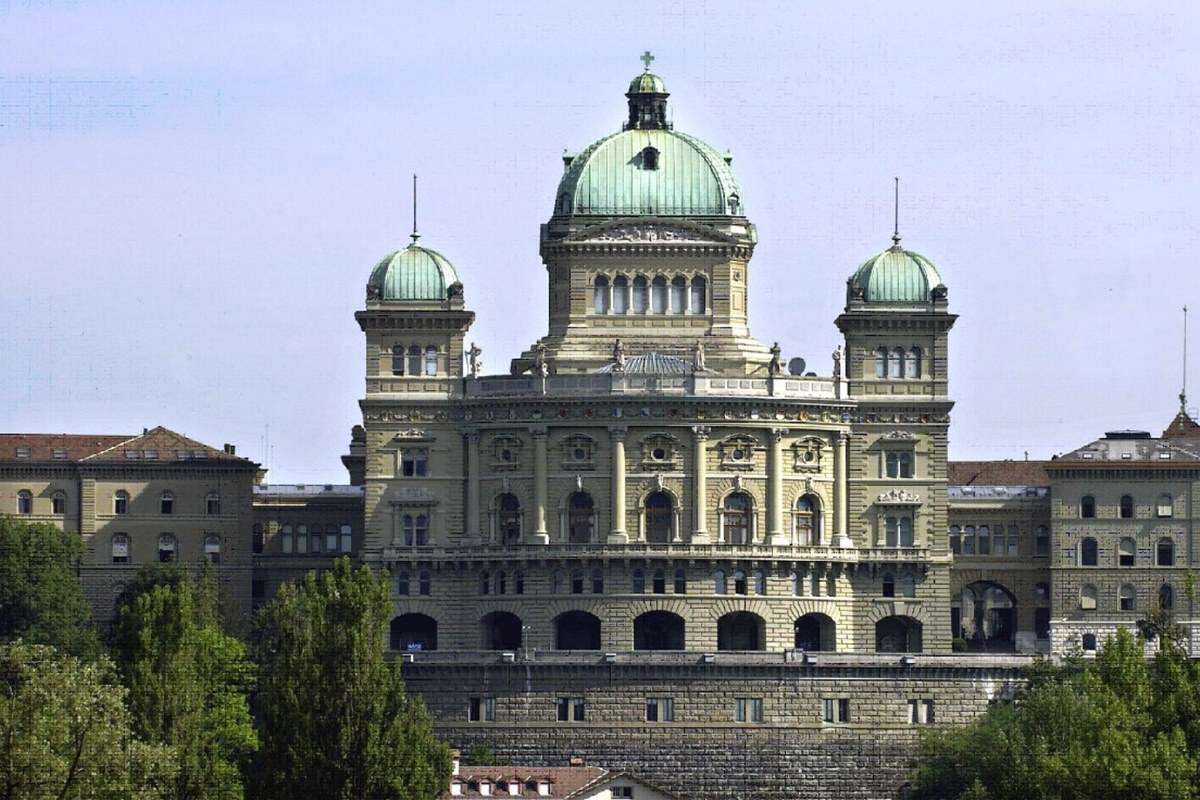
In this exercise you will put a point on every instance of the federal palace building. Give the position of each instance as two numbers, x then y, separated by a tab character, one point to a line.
652	540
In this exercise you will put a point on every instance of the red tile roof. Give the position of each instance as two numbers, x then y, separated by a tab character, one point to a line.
564	781
42	446
1182	427
997	473
155	445
164	445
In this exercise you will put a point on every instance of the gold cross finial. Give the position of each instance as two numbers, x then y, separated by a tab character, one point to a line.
646	59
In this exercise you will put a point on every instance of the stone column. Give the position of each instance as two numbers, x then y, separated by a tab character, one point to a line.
618	534
472	526
540	491
700	487
841	496
775	534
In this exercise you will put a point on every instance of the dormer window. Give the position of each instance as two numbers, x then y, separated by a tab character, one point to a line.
649	158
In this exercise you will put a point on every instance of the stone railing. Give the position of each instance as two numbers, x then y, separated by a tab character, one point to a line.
648	551
617	384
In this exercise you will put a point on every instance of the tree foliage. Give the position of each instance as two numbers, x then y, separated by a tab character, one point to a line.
336	721
1119	727
41	599
65	733
187	682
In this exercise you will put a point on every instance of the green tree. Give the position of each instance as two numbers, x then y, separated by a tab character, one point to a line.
41	599
1095	730
65	733
187	682
335	720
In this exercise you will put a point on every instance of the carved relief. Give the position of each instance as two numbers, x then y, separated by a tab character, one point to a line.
899	436
660	451
578	452
506	452
898	497
647	232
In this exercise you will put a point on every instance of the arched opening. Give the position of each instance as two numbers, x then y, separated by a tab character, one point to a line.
640	300
509	519
816	633
658	295
581	518
897	634
808	521
658	630
987	617
1126	506
576	630
413	632
500	630
659	511
737	514
1088	553
679	295
741	630
1164	554
1087	507
414	360
620	295
600	296
699	302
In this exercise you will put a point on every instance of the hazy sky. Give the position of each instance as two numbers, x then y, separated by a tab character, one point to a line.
192	195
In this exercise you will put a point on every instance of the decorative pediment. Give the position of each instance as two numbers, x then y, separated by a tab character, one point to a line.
901	436
650	231
807	454
411	434
737	452
898	497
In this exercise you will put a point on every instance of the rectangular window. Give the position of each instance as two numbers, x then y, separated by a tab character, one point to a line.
1042	542
660	709
920	712
748	709
347	539
258	589
835	710
482	709
622	792
571	709
899	464
414	462
1014	540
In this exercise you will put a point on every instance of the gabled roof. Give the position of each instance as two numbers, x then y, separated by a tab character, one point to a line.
564	782
156	445
1182	427
63	447
997	473
161	444
1120	448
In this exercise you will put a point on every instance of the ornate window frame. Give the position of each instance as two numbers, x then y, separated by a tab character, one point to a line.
579	452
506	452
738	452
808	454
660	451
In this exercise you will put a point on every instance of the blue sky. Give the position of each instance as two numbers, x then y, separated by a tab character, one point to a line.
193	194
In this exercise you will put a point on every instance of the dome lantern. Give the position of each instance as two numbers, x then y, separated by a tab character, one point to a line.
647	100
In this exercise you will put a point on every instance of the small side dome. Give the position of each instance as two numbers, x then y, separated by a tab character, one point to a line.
896	276
647	83
414	274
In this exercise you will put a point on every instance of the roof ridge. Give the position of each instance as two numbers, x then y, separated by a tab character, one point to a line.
114	447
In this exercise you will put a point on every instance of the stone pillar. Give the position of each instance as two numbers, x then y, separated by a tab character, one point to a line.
775	533
472	526
700	487
841	494
618	534
540	491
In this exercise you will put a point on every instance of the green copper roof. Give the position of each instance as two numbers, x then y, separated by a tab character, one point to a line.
612	178
896	276
647	83
414	273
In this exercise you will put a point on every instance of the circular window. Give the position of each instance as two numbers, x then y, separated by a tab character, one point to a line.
506	454
659	454
579	454
809	455
739	455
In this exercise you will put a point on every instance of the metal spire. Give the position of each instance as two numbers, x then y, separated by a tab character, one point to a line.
414	234
896	211
1183	391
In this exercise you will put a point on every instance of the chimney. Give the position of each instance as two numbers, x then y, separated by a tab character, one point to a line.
230	449
576	761
455	762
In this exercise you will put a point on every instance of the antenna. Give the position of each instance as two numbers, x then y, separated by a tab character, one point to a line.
1183	391
415	235
896	212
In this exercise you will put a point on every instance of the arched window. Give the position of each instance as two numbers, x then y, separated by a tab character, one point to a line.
912	363
581	518
808	521
984	540
1166	597
509	519
166	503
659	518
1126	507
212	504
639	581
649	158
431	360
1166	506
600	295
576	630
121	502
1042	541
741	630
120	548
423	582
577	581
719	582
331	538
413	633
166	548
658	295
519	582
485	583
285	538
641	297
597	581
1127	596
1088	553
881	370
347	536
212	549
736	518
400	584
815	632
620	295
1087	507
739	582
1165	553
58	503
500	630
24	502
699	302
397	359
501	582
314	541
1126	553
680	580
1087	597
658	630
955	539
679	295
896	363
414	360
301	538
897	634
889	585
760	583
659	583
